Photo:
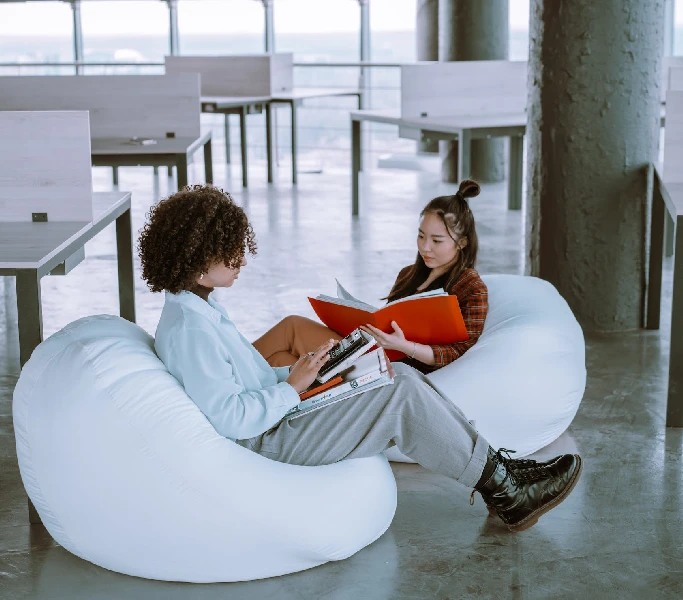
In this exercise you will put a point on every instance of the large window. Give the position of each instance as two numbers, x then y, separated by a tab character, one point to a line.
678	31
221	26
35	32
124	31
318	31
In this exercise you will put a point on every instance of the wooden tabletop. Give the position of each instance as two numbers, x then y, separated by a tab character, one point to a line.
307	93
218	102
443	124
27	245
123	146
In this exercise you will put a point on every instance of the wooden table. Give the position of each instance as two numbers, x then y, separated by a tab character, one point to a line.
168	152
29	251
244	105
667	202
463	128
295	98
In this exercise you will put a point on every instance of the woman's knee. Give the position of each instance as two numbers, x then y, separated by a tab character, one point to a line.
296	321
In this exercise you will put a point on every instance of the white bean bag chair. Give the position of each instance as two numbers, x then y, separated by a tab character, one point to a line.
523	381
127	473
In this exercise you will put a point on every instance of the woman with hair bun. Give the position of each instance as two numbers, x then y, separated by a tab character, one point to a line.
447	247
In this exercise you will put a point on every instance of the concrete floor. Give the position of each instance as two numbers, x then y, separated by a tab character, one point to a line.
620	533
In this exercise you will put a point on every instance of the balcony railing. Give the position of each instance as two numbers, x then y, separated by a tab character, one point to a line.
323	124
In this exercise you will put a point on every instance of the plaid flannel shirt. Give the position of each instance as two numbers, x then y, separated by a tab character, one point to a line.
473	299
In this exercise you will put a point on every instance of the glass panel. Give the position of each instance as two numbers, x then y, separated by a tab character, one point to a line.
317	30
35	32
519	29
393	31
678	32
124	31
221	27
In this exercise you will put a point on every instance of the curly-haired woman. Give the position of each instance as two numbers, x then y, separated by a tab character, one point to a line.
195	241
447	248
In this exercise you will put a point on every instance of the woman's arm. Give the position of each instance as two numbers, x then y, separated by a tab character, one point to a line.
207	374
474	305
473	300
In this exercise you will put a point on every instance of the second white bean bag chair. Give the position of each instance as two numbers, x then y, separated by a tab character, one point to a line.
523	381
127	473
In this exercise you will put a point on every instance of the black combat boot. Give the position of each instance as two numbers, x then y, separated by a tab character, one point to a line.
517	464
521	495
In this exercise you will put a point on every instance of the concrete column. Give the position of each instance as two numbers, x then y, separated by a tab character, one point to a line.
427	39
475	30
593	129
78	33
365	55
669	26
173	31
268	26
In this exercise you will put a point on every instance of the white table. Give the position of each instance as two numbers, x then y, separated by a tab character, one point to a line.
244	105
170	152
667	199
29	251
463	128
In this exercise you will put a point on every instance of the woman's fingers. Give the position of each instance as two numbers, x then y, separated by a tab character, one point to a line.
321	354
397	329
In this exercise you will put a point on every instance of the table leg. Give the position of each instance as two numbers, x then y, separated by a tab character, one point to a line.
360	141
516	169
226	129
29	312
30	319
269	141
355	165
124	257
243	144
115	175
464	147
33	516
208	162
181	170
654	284
670	229
674	405
294	144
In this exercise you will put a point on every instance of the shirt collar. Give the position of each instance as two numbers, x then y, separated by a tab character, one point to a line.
210	309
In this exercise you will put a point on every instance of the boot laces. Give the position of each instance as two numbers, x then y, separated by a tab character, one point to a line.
521	470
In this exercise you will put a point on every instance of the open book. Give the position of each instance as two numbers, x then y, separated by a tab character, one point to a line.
428	318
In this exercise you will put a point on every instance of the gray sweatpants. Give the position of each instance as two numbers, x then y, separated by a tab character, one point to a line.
410	414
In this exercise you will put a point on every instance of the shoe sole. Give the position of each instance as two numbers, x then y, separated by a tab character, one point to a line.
532	519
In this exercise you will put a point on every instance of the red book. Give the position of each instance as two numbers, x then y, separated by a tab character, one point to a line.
430	318
321	387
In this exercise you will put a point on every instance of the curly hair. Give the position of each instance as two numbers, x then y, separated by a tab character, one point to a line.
188	232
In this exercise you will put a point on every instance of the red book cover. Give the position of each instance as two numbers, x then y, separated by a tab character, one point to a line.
426	320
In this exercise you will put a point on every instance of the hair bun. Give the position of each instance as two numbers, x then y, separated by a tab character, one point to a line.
469	188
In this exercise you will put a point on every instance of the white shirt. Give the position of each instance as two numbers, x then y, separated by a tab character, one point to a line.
231	383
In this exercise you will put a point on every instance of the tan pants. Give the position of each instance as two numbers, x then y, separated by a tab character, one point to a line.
283	344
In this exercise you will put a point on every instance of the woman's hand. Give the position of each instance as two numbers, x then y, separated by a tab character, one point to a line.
303	372
390	341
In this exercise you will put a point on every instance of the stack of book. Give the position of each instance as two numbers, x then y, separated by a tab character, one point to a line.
370	371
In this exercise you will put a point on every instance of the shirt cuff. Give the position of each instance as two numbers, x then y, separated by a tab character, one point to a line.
289	394
282	373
